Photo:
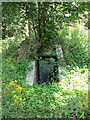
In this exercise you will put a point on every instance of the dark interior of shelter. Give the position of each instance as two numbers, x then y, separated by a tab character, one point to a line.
47	69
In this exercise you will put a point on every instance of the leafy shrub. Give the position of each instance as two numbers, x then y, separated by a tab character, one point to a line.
65	99
56	100
75	47
11	44
44	101
12	69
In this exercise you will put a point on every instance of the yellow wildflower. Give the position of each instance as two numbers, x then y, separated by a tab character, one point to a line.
67	27
82	93
80	103
60	31
78	25
14	96
16	81
23	102
20	99
16	102
11	82
84	101
6	59
24	99
86	106
75	95
17	98
19	88
72	92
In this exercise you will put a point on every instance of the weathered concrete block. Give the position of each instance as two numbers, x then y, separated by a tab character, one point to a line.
60	59
31	76
59	53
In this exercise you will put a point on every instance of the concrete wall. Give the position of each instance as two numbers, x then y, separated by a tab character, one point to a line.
60	59
32	76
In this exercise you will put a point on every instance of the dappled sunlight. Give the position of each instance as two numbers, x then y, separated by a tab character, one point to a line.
44	32
76	80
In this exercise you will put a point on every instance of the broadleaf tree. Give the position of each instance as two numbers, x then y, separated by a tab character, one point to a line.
43	20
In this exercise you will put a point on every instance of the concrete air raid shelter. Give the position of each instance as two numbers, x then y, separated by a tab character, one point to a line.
47	68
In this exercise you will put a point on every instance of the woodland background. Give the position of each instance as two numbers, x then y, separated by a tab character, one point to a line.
27	29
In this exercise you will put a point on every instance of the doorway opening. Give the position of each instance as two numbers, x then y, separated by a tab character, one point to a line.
47	69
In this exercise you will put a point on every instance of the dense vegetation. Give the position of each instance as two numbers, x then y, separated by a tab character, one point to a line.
48	23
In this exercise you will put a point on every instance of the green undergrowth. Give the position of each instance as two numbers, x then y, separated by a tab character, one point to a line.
74	41
66	98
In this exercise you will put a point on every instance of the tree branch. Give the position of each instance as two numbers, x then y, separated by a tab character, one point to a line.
34	30
29	27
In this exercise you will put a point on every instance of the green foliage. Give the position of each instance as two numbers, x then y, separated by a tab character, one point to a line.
13	69
11	20
56	100
11	44
75	46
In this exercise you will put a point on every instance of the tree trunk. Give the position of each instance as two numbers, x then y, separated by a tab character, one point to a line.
29	27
